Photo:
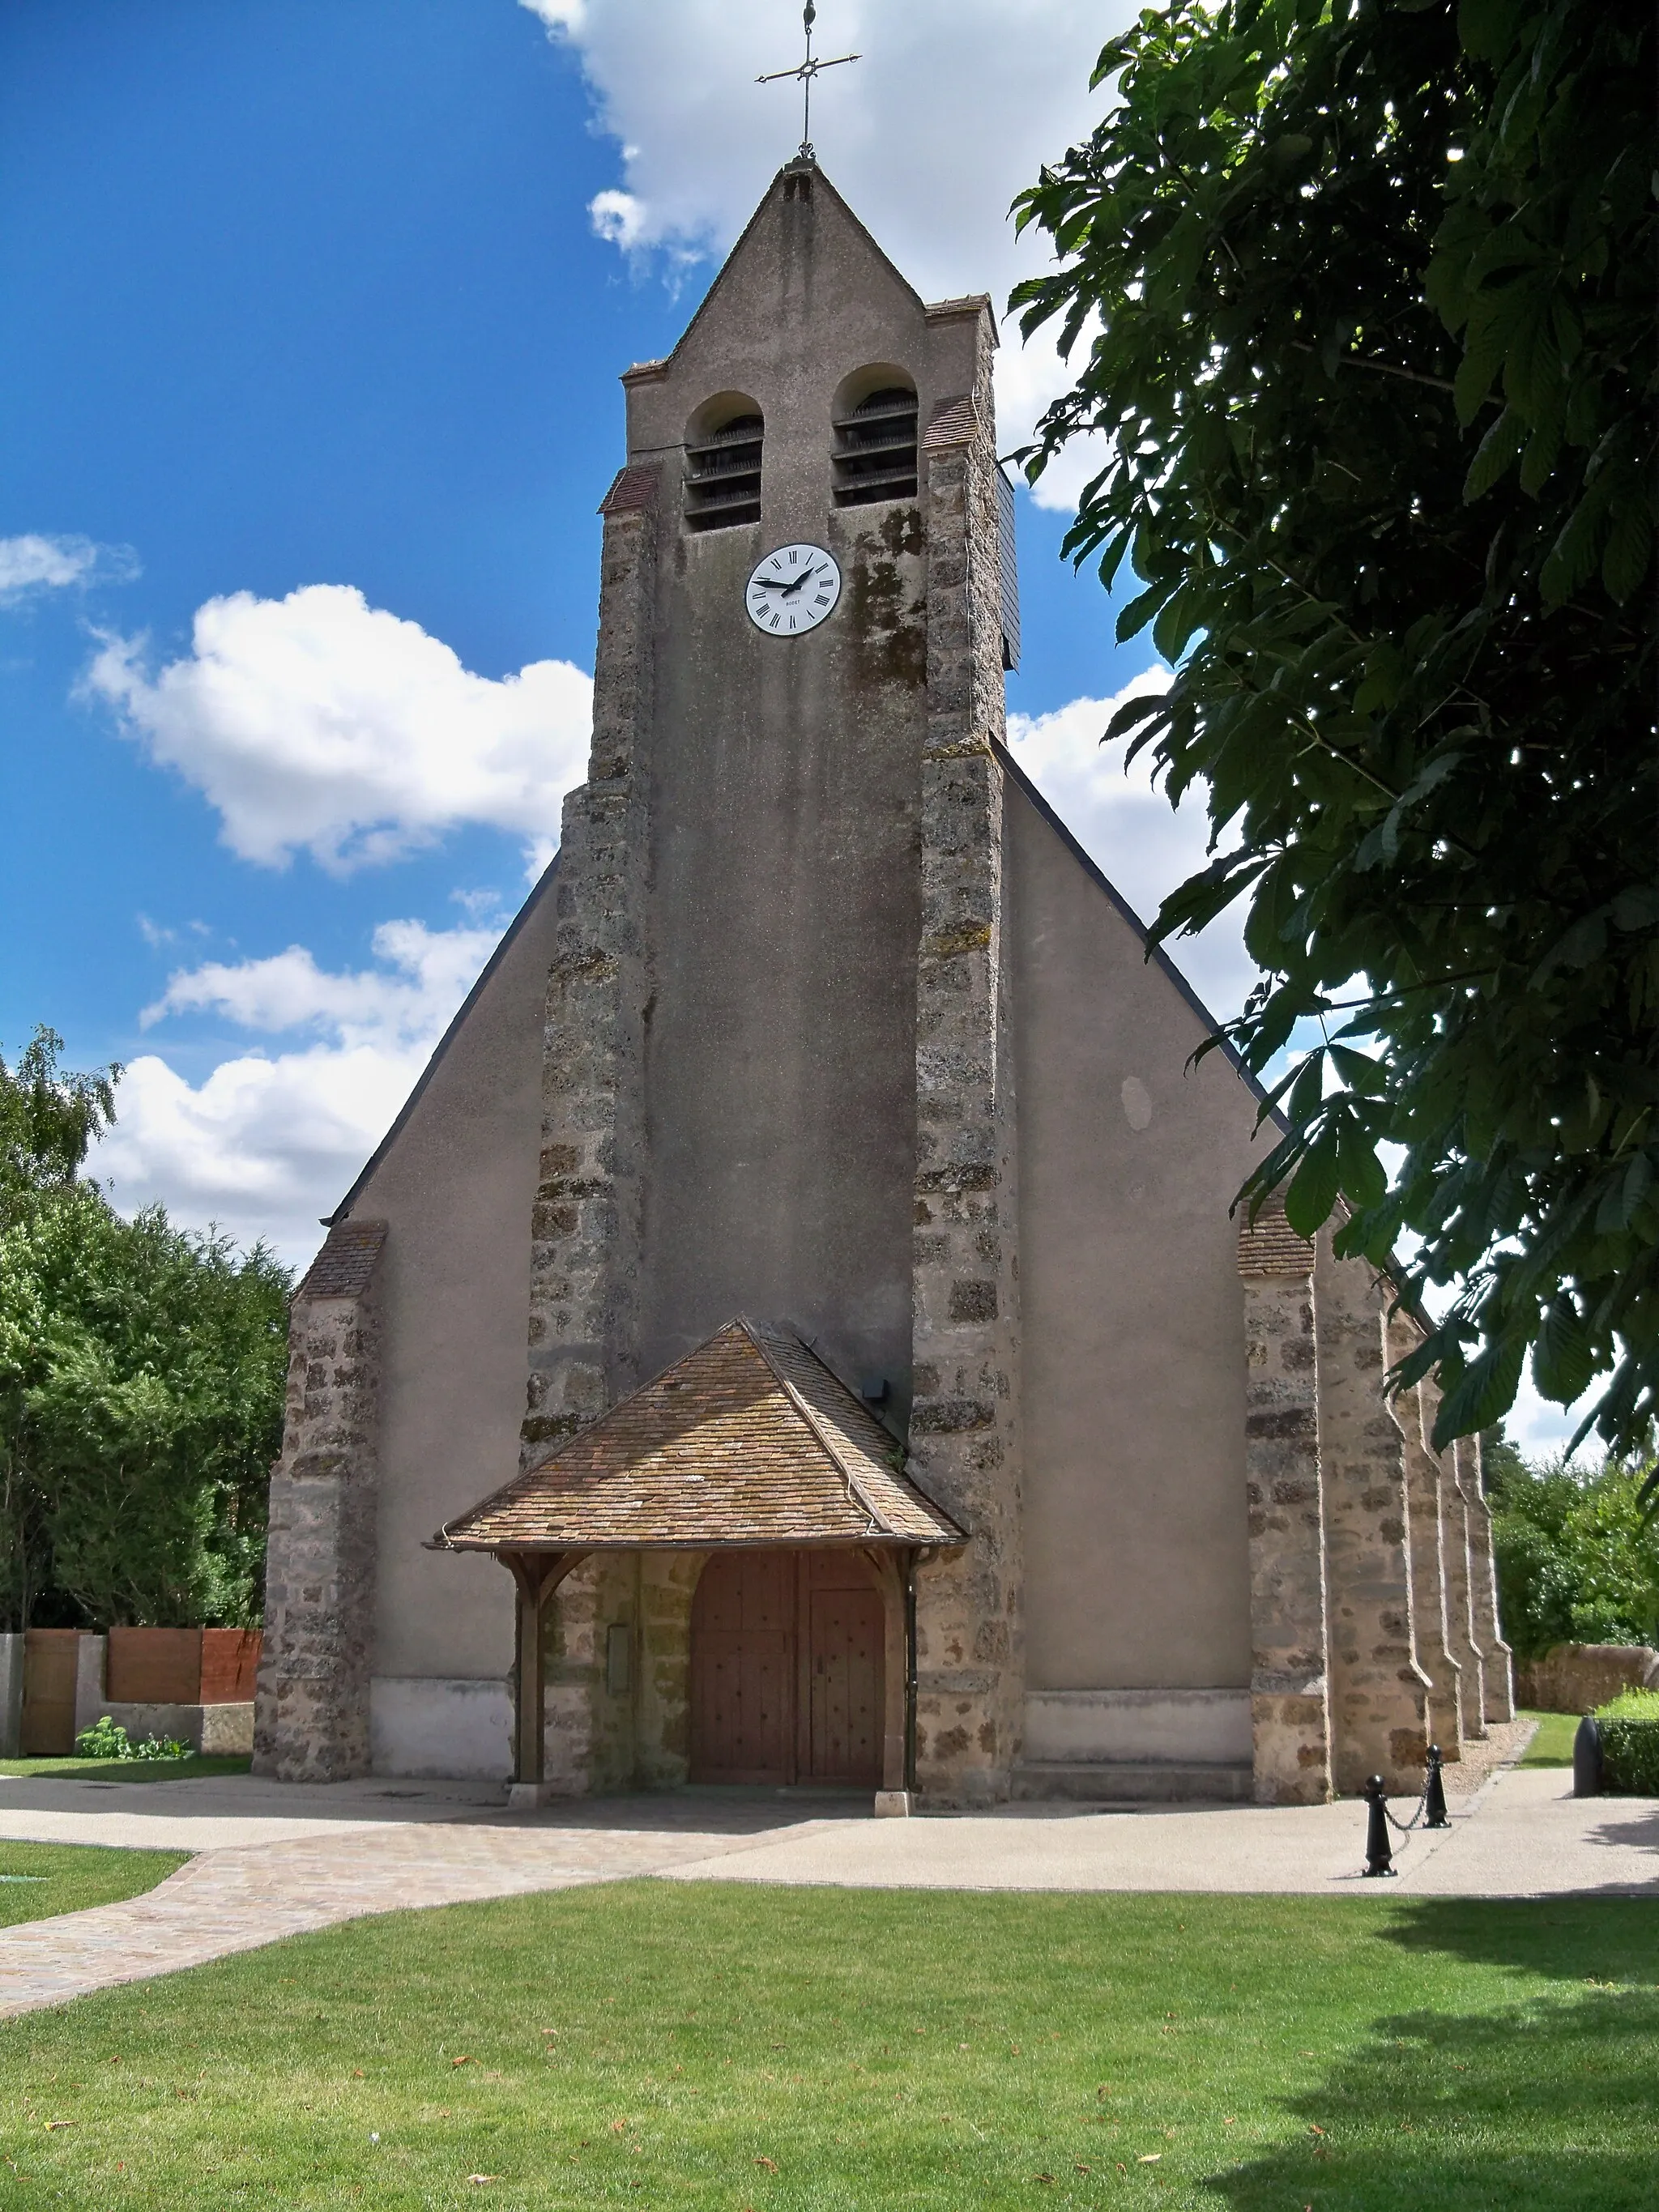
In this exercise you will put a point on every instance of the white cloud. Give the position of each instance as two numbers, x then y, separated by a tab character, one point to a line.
36	563
619	219
954	108
1129	829
269	1142
318	722
427	973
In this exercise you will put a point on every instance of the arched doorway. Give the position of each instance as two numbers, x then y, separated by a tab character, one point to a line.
788	1668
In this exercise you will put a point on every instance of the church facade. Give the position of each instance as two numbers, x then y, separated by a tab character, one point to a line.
806	1266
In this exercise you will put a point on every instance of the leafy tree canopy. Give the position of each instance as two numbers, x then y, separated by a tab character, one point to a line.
1363	292
49	1117
141	1373
1577	1560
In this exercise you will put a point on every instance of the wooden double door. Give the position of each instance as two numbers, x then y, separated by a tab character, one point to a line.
788	1674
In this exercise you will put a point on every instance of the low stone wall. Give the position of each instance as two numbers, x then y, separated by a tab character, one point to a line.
218	1731
1575	1678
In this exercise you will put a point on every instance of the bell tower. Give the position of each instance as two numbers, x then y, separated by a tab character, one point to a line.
776	1076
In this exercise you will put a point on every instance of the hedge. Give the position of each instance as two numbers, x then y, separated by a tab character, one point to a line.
1630	1742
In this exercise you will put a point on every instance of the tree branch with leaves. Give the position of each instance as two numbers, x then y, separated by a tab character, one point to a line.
1362	295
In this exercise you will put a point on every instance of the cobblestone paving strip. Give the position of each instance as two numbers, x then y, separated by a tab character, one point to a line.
236	1899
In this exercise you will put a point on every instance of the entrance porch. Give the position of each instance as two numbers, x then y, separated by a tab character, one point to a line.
715	1583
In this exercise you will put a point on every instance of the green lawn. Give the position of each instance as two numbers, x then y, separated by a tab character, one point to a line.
726	2046
38	1880
1553	1745
190	1769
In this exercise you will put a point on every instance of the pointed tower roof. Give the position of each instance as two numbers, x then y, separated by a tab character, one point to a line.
801	179
748	1440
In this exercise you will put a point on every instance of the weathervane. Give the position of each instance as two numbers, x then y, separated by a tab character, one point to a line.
804	77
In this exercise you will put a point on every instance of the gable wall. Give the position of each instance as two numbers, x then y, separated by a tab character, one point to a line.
1133	1342
454	1185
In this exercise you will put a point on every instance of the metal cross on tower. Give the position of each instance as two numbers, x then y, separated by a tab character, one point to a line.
804	76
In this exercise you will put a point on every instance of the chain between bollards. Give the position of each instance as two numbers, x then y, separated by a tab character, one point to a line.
1431	1811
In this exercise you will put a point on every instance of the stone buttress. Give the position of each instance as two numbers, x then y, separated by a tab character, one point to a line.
585	1238
585	1227
1289	1689
964	1431
1379	1695
311	1714
1431	1635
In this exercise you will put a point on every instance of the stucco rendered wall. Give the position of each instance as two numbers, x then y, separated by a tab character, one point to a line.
1136	1544
454	1185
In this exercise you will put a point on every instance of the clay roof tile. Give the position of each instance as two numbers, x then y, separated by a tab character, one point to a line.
748	1440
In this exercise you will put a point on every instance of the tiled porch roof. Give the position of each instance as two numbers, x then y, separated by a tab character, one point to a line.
750	1439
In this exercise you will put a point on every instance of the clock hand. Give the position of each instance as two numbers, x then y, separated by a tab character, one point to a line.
806	577
768	584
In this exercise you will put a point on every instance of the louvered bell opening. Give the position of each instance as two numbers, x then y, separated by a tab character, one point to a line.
875	450
723	476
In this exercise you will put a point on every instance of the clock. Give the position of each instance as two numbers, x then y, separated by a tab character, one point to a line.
792	590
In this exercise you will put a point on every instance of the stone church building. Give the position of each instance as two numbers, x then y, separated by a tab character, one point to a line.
806	1266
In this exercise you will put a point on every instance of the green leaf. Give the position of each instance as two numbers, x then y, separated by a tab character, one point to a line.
1484	1394
1358	1071
1486	27
1564	1357
1363	1177
1141	609
1572	559
1307	1090
1311	1196
1629	550
1150	706
1496	454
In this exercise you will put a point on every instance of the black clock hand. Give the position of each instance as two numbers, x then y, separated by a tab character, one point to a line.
806	577
767	584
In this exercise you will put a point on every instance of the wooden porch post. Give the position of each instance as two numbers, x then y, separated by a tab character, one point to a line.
536	1576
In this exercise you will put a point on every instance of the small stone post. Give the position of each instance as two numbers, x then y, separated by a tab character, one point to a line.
1290	1699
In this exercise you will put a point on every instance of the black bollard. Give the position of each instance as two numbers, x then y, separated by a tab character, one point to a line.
1379	1858
1435	1815
1586	1758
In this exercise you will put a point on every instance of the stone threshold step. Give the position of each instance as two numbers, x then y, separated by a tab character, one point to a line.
1152	1782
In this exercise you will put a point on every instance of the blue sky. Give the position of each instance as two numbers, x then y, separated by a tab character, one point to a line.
314	314
308	296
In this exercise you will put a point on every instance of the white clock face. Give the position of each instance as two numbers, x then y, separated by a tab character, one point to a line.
792	590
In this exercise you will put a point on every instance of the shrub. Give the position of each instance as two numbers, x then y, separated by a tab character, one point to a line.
1577	1563
1630	1742
107	1739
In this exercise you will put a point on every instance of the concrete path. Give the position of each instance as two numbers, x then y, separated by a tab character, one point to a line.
273	1861
1522	1835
